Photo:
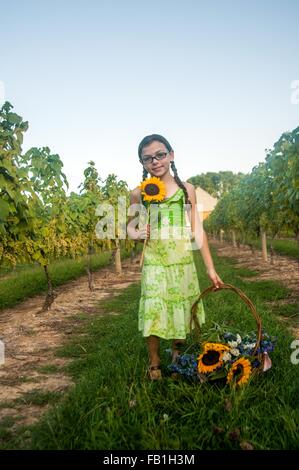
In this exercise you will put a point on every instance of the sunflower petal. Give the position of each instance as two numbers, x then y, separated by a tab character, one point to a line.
153	189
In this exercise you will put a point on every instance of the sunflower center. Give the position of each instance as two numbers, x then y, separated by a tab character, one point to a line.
238	372
151	189
210	358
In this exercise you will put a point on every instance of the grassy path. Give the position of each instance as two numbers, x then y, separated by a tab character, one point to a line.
285	247
30	280
32	376
284	270
113	406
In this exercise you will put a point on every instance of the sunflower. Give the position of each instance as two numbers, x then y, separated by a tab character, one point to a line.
216	347
153	189
240	372
210	359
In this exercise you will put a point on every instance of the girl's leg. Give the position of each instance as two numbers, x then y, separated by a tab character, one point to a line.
176	348
153	344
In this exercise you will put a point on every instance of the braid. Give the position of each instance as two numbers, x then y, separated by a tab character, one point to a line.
179	182
144	175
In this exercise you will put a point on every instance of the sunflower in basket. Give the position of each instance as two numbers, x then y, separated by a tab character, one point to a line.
239	372
212	357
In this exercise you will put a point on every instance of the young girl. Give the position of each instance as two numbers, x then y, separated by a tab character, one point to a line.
169	282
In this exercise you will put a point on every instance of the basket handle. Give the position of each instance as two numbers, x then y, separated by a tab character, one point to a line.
241	294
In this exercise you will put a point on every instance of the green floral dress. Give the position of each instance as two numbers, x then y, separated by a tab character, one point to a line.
169	282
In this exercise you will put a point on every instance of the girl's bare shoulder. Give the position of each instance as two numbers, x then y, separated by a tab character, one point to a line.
191	191
190	188
135	195
188	185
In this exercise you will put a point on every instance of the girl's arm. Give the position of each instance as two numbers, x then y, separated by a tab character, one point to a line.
205	252
132	231
201	238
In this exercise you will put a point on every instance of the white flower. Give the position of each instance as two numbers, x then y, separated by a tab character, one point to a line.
249	346
226	356
233	344
239	339
235	352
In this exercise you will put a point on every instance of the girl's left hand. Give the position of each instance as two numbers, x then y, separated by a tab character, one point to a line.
214	277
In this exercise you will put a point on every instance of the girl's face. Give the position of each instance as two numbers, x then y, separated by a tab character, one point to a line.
156	167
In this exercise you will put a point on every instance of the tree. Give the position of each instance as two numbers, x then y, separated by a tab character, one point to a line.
283	164
48	230
218	183
112	189
91	196
15	189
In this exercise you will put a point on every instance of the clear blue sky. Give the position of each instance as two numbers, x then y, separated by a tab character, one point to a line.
94	77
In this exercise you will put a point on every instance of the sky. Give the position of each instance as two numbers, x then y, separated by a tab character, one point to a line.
94	77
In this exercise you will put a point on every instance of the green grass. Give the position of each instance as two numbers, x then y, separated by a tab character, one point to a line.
10	439
286	247
290	312
48	369
114	406
287	310
31	280
244	272
20	285
39	397
281	247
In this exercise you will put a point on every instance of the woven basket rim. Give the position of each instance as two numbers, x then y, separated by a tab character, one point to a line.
242	295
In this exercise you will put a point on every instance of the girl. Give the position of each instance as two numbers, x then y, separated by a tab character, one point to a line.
169	283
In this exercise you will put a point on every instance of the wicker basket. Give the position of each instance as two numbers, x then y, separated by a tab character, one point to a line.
212	289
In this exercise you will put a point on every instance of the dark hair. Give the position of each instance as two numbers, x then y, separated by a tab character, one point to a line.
156	137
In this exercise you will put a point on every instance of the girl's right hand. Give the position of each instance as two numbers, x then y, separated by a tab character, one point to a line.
144	233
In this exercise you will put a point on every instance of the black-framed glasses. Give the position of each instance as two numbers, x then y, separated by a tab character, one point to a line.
149	158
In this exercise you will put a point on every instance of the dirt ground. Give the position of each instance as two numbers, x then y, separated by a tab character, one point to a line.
282	269
31	339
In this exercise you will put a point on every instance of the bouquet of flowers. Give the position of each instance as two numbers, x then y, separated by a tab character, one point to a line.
231	359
